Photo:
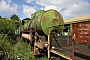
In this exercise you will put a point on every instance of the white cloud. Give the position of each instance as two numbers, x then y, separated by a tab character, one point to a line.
27	11
6	8
9	1
50	7
29	1
48	2
68	8
78	9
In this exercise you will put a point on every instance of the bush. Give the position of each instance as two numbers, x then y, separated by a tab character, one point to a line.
7	27
21	50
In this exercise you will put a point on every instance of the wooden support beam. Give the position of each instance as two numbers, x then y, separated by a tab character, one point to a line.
49	43
61	54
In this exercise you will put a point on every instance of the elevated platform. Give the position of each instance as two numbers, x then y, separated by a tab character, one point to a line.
63	48
82	52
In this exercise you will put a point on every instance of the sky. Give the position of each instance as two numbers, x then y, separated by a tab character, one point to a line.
24	8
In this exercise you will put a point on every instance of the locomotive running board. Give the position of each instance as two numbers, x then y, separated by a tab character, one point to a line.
61	54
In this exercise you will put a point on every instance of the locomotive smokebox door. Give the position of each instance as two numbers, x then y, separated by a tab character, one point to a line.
81	32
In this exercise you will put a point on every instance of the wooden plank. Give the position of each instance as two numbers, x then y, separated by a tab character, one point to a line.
63	41
61	54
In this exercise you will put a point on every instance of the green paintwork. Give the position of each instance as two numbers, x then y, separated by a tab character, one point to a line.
51	18
43	19
25	21
70	27
36	14
26	25
38	25
21	28
66	34
40	12
36	20
32	16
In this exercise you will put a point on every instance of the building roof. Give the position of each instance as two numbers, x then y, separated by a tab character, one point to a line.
78	19
8	18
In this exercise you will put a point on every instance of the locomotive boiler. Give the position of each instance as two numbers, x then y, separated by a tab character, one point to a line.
41	20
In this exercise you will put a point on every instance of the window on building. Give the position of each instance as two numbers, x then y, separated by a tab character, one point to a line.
66	28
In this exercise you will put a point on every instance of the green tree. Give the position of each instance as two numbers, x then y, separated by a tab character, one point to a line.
14	17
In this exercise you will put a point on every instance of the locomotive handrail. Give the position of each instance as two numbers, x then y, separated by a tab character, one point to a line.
56	41
58	25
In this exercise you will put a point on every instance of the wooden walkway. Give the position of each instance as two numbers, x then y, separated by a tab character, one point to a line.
82	52
63	48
